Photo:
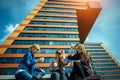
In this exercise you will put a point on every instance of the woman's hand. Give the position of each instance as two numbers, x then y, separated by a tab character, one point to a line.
77	61
72	47
41	59
43	71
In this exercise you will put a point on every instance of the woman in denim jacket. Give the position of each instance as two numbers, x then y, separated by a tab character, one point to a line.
27	69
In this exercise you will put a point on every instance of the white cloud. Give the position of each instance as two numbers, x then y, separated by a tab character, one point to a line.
87	39
18	11
8	30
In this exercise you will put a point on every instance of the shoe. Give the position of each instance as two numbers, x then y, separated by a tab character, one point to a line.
37	77
79	78
83	79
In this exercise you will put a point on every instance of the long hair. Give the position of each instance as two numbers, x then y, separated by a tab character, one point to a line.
61	57
81	50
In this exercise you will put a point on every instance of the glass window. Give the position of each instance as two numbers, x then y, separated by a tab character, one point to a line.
53	18
54	23
8	71
93	47
58	13
93	50
51	28
68	9
42	50
92	44
49	35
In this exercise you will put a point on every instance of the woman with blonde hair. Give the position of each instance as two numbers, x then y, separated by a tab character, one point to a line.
27	70
81	62
57	65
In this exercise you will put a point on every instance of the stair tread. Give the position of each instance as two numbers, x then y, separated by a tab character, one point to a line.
109	71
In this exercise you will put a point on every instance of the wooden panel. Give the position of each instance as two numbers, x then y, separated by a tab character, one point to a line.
31	16
25	21
47	20
42	65
16	65
20	27
70	7
8	42
70	3
44	1
51	15
58	11
21	55
2	50
72	0
53	39
40	25
50	32
41	46
8	65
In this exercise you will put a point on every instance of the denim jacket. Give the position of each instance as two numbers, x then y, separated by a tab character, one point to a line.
28	64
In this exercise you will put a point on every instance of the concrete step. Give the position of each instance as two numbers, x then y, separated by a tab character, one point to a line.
45	77
110	76
104	68
106	72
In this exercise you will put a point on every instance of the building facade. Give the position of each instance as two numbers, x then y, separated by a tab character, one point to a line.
57	24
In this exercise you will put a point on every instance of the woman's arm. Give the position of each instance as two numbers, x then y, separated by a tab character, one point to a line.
28	59
51	66
88	57
70	56
40	70
41	59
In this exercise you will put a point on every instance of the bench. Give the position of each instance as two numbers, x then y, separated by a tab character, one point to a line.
45	77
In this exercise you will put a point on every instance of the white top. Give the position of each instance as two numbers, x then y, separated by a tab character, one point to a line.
54	63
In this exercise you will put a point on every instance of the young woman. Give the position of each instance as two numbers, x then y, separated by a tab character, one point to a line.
57	65
81	62
27	68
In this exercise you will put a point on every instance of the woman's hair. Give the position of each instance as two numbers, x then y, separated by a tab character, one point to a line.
81	50
35	46
61	56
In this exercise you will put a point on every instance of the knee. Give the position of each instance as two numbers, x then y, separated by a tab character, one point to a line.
64	73
76	63
54	74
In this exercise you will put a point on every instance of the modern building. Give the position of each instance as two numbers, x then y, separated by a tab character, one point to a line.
58	24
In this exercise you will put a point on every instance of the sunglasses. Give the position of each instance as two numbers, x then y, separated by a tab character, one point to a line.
58	53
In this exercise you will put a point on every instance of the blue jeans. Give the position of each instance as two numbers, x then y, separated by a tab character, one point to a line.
78	70
23	76
59	76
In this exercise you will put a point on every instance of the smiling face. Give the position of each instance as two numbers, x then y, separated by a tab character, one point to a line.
60	53
78	48
60	56
34	48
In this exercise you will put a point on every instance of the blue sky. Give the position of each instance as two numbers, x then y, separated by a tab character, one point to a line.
106	28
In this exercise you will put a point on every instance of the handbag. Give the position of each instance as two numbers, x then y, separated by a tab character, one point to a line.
86	66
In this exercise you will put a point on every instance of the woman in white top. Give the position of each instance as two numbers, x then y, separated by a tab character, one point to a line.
57	66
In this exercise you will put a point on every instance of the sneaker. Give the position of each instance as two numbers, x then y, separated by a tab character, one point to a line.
37	77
